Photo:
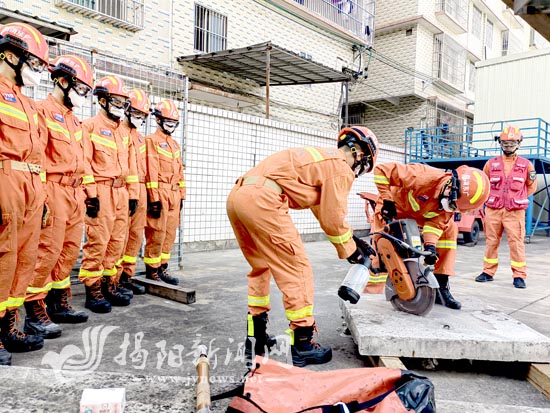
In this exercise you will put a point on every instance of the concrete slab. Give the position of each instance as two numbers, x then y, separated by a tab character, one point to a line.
476	333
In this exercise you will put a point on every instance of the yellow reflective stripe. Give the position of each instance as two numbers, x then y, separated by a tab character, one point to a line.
109	272
61	285
378	278
290	332
86	273
479	189
56	127
429	229
132	179
155	260
13	112
250	326
518	264
151	185
301	313
128	259
340	239
414	205
35	118
490	260
446	244
163	152
142	149
317	157
78	136
88	179
182	184
43	177
430	215
164	256
125	140
118	262
258	301
103	141
381	179
36	290
177	154
15	301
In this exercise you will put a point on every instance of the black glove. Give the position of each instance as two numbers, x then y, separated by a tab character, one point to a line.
432	258
133	206
45	215
389	213
92	207
364	246
153	209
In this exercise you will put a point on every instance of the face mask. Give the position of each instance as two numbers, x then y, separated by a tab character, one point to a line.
136	122
446	206
76	99
170	126
30	77
116	112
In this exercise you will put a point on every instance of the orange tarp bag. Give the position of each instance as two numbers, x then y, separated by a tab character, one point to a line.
274	387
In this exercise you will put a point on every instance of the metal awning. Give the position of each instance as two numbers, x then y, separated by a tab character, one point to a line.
47	28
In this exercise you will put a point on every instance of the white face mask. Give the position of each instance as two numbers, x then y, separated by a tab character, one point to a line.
136	122
170	126
446	206
116	112
30	77
76	99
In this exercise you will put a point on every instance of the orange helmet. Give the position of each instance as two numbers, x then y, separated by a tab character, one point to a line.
167	109
474	188
26	38
366	139
73	66
511	133
139	100
111	85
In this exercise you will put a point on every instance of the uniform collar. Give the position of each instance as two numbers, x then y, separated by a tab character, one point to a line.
7	82
58	105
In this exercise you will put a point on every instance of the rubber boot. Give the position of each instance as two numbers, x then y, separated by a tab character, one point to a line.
444	296
95	301
5	356
165	276
14	340
38	322
152	273
257	336
305	351
110	291
60	310
128	283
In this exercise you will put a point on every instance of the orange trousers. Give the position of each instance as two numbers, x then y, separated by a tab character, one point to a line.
160	233
272	246
513	222
135	235
22	201
60	240
105	235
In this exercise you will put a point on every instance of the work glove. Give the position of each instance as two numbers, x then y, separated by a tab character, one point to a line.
361	254
364	246
432	258
92	207
388	211
133	206
153	209
45	215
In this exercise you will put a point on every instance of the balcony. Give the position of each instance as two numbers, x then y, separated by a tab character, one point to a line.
454	14
449	63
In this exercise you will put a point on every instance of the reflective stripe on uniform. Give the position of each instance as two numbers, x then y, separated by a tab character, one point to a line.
109	272
381	179
250	326
13	112
132	179
12	302
430	215
298	314
103	142
446	244
414	205
154	260
151	185
164	152
78	135
129	260
490	260
63	284
37	290
165	256
258	301
317	157
42	177
142	148
56	127
182	184
340	239
88	179
378	278
86	273
290	332
518	264
429	229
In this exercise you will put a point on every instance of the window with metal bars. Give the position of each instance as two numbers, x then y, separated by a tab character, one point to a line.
210	30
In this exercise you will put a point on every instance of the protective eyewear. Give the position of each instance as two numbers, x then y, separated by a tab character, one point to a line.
81	88
170	124
118	102
137	114
508	144
35	63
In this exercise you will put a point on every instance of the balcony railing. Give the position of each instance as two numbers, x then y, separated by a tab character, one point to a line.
449	64
456	11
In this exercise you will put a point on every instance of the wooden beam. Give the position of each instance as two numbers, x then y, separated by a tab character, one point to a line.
539	376
171	292
389	362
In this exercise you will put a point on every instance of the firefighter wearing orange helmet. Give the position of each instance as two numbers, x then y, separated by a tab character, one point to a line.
65	167
23	58
431	197
513	179
166	191
135	117
319	179
111	196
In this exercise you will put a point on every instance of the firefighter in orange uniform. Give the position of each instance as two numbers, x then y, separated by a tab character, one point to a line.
431	197
23	57
136	114
62	233
513	179
316	178
112	195
166	191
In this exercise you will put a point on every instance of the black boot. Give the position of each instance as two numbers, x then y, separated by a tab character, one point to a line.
152	273
14	340
110	291
60	310
128	283
38	322
444	296
257	335
305	351
5	356
165	276
95	301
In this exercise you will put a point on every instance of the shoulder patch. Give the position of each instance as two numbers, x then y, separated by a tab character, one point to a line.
9	97
163	145
140	139
106	132
532	175
423	198
58	117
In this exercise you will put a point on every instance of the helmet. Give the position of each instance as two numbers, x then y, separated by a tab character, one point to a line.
365	138
139	100
73	66
473	190
26	38
110	85
511	133
167	109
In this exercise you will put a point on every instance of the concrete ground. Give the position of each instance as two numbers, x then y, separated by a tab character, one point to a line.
149	347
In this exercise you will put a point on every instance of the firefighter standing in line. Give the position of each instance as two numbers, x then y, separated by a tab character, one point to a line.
136	114
316	178
23	57
431	197
65	167
166	191
111	197
513	179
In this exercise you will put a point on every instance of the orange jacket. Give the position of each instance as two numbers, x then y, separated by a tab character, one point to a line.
319	179
164	165
111	154
415	189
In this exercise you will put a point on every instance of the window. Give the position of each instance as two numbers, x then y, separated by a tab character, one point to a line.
476	22
449	61
127	14
505	41
457	9
472	77
210	30
489	34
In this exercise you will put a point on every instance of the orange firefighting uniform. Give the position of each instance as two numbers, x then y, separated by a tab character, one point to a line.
415	189
65	166
258	205
511	221
114	181
165	182
137	221
21	192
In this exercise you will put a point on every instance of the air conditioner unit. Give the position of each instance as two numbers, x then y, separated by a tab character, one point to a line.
531	6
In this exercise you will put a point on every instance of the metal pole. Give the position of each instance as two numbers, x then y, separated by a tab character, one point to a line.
184	159
267	79
346	118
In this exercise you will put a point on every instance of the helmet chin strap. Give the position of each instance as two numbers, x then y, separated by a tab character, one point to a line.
66	101
106	109
510	153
